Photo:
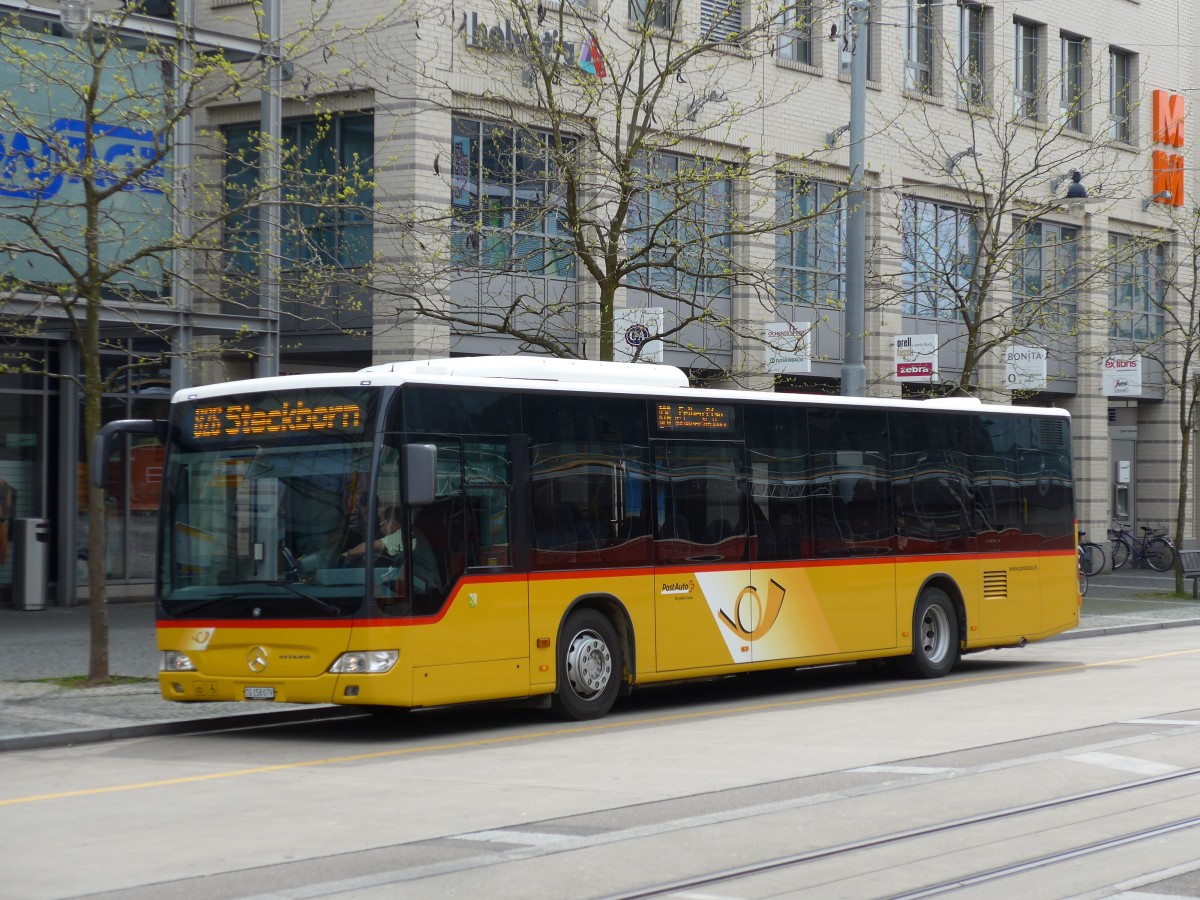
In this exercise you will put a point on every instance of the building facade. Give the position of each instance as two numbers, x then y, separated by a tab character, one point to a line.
95	150
506	177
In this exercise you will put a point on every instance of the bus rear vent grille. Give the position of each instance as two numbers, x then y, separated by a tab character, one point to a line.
1052	433
995	585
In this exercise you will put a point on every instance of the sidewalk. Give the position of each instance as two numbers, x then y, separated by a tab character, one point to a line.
54	642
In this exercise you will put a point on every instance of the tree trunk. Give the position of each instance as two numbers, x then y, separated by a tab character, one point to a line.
607	315
93	390
1185	454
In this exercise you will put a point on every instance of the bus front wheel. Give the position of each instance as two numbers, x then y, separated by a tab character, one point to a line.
935	636
589	666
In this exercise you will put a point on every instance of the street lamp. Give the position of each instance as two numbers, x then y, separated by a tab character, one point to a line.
854	370
76	16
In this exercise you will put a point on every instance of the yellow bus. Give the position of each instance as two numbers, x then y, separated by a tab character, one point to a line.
459	530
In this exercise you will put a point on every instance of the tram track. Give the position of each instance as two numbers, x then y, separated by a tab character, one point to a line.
781	863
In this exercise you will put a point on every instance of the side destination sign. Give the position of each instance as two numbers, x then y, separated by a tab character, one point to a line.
694	417
289	417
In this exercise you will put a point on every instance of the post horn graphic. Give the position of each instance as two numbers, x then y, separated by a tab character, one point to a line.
760	620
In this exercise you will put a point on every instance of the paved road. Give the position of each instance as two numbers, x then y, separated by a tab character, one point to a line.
53	643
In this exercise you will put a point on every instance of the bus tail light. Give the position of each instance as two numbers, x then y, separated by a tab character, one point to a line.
359	662
174	661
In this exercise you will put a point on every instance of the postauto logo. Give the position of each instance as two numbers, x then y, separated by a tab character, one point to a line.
32	170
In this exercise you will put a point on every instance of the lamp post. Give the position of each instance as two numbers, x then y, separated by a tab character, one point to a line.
854	370
266	363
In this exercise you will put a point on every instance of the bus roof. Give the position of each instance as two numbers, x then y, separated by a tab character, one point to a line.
569	376
542	368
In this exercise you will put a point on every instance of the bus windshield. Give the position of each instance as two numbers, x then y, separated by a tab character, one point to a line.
261	527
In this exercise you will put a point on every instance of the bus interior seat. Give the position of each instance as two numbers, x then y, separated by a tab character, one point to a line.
674	527
561	532
717	531
765	533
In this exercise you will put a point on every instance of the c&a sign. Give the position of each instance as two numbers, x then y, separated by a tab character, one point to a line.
1168	166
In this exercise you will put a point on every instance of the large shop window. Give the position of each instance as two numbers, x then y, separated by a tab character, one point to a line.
22	417
1045	285
1137	288
810	261
508	200
941	246
680	226
328	193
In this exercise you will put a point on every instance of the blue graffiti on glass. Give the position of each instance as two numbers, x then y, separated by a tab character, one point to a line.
31	169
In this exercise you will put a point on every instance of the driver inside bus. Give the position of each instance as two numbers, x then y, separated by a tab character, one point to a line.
390	543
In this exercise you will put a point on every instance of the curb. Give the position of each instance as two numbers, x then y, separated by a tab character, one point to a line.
232	721
228	722
1103	630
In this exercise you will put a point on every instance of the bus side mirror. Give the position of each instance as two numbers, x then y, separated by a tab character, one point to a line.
102	442
420	474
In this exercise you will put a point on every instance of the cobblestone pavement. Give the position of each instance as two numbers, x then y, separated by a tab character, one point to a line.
53	643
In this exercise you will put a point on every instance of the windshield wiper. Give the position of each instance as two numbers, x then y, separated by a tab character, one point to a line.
328	608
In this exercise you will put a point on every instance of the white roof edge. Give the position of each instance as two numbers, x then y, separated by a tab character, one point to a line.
574	375
542	368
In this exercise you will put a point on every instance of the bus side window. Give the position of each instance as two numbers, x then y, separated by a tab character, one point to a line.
588	467
852	506
701	502
487	494
780	482
997	482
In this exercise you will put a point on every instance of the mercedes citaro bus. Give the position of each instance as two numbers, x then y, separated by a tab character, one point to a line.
458	530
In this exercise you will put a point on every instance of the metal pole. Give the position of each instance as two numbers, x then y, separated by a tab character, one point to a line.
183	268
270	163
854	370
67	460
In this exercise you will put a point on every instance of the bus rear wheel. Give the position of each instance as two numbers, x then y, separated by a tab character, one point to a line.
589	667
935	636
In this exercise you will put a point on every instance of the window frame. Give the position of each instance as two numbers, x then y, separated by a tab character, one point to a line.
844	56
326	227
926	296
828	205
1137	288
643	220
972	50
919	40
721	20
1028	44
1072	109
1057	251
1121	78
654	14
497	247
795	42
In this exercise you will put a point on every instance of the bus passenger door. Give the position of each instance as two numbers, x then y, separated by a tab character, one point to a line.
474	645
701	564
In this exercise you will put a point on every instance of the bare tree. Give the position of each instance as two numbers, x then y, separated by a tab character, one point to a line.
995	253
613	158
1155	314
104	231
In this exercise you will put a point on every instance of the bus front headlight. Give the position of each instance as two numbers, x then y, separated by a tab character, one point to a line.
174	661
362	662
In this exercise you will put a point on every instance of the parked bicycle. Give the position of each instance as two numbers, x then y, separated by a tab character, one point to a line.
1082	573
1155	549
1091	556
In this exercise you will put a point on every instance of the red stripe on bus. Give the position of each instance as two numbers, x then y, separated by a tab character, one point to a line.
576	575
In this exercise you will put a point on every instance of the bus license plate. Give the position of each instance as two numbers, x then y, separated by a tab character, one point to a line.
260	693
